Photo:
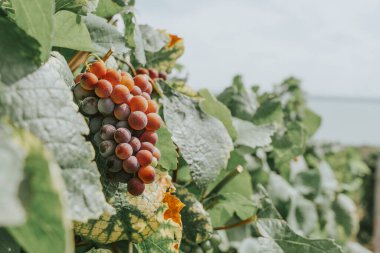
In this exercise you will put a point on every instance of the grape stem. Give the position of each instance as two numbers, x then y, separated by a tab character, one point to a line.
174	177
239	169
240	223
128	64
78	59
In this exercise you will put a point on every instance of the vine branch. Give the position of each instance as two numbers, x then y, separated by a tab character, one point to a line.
241	223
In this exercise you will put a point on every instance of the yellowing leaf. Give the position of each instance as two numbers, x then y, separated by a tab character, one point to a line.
174	208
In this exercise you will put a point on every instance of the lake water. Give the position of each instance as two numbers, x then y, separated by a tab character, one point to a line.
349	121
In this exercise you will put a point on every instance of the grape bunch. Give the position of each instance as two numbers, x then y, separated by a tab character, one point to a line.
123	121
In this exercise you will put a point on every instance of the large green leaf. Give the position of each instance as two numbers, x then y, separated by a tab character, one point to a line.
71	32
77	6
35	17
43	104
7	243
47	226
241	102
108	8
169	155
203	140
269	112
311	120
346	220
251	135
12	156
225	206
133	36
213	107
20	52
270	225
104	36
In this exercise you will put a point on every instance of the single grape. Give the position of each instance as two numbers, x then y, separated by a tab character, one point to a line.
122	112
122	135
99	69
135	186
88	81
111	120
129	98
163	75
137	120
127	80
131	165
97	139
152	107
106	106
149	89
123	151
103	89
146	96
138	103
154	162
144	157
154	122
89	106
120	94
95	124
147	146
142	71
80	93
153	73
113	76
147	174
156	153
114	164
206	245
122	124
107	148
135	144
136	91
141	81
78	78
149	136
107	132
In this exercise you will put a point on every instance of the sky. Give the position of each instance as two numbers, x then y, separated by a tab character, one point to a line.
332	46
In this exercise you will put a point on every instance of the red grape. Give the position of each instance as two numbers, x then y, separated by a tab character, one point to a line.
153	73
123	151
157	153
113	76
107	132
99	69
149	136
135	144
138	103
152	107
122	112
135	186
143	71
144	157
154	122
141	81
131	165
120	94
103	89
147	174
78	78
114	164
147	146
146	96
106	106
163	75
127	80
137	120
149	89
88	81
136	91
107	148
122	135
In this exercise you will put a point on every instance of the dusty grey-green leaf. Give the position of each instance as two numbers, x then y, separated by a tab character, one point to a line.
260	244
251	135
203	140
77	6
43	104
35	17
153	39
71	32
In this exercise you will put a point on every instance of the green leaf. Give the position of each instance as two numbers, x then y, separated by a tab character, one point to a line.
252	136
308	182
43	104
71	32
35	17
153	39
241	102
77	6
302	216
7	243
108	8
169	155
229	204
311	121
104	36
347	223
46	226
12	156
271	226
269	112
20	52
196	221
203	140
218	110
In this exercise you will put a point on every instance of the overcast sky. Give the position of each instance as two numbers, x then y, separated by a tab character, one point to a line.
333	46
